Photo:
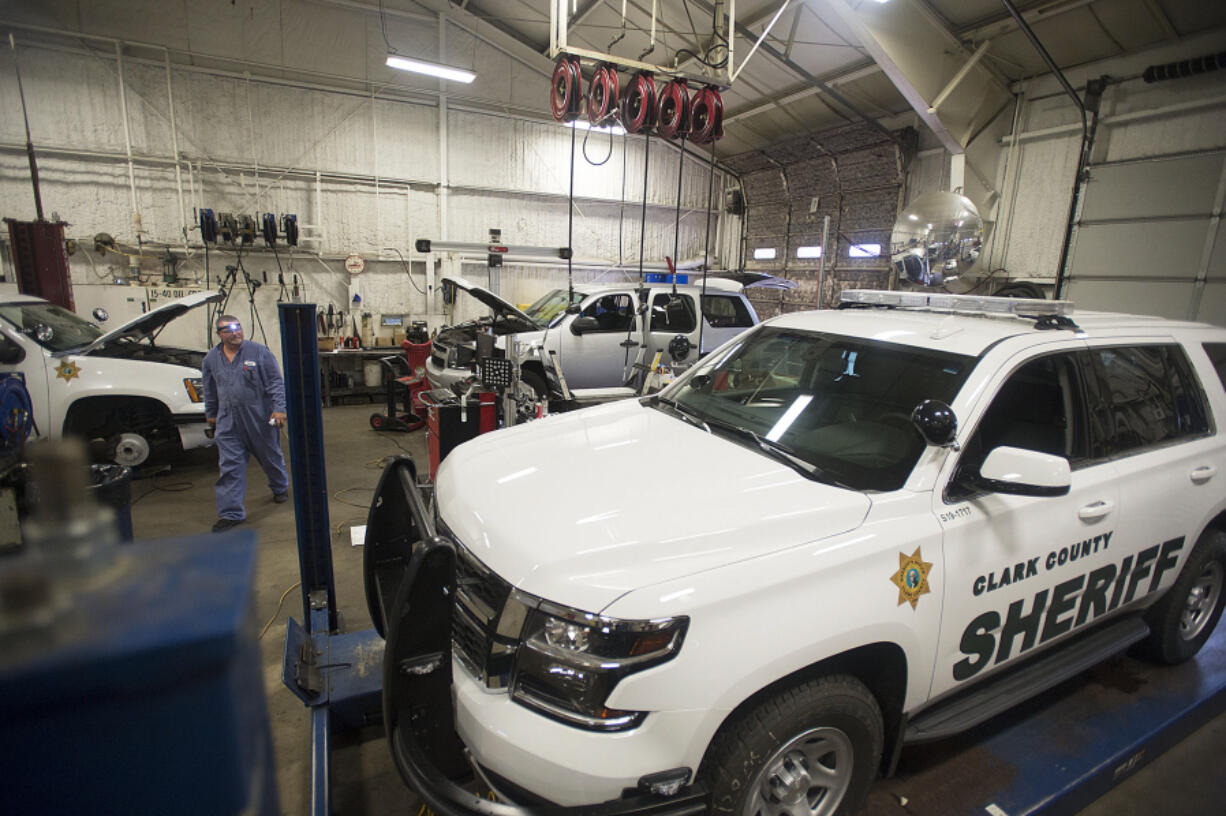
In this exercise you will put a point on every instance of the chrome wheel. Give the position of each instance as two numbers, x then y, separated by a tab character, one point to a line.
1201	601
808	775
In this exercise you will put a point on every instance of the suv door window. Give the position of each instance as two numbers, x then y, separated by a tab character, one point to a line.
1151	395
1217	355
1038	408
725	312
673	313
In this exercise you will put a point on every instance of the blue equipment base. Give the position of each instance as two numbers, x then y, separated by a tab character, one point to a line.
147	696
1062	750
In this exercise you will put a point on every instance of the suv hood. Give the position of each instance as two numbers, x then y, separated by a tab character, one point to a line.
636	497
500	307
150	322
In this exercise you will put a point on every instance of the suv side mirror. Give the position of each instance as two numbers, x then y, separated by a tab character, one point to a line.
584	324
10	353
574	308
936	422
1022	472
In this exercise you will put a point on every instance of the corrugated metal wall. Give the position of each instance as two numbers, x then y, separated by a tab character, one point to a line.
852	174
360	170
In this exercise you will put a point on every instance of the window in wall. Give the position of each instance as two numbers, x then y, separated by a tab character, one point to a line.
864	251
809	252
764	254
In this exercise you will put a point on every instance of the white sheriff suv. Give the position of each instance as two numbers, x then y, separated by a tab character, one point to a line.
140	398
841	532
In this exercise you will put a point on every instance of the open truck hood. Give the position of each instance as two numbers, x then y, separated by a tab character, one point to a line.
500	307
149	323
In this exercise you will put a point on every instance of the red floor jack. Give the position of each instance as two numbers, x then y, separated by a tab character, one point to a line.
407	386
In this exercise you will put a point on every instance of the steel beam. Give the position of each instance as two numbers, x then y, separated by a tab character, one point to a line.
911	46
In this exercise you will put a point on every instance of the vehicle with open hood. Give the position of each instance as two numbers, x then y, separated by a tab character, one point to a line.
597	332
138	397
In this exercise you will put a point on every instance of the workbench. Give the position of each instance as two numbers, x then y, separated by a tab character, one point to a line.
352	364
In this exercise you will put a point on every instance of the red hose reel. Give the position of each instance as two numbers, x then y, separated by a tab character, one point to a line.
706	116
638	104
566	90
640	107
673	109
602	96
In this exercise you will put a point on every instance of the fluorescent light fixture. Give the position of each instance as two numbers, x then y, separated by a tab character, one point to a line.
764	254
430	69
864	251
809	252
614	128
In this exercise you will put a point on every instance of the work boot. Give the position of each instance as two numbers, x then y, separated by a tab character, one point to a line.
280	498
224	524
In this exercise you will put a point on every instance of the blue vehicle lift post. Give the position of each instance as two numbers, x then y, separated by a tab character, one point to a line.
337	675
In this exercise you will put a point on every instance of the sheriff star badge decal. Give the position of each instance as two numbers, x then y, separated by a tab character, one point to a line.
67	370
912	577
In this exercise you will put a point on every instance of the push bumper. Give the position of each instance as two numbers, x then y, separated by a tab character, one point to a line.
404	551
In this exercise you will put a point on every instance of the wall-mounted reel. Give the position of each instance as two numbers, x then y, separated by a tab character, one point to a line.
673	109
566	90
706	116
638	103
602	96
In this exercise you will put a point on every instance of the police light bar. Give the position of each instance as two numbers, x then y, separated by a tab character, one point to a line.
970	304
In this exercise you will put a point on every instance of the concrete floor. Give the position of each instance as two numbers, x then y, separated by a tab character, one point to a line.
1186	780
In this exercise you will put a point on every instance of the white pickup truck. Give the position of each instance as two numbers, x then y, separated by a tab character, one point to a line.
119	386
842	532
599	337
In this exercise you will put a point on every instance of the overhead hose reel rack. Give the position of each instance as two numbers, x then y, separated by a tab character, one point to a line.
566	90
706	116
673	111
602	96
638	103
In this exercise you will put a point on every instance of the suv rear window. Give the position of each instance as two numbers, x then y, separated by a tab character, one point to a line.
1217	355
1152	396
725	312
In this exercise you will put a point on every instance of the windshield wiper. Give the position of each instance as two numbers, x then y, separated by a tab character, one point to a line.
782	453
687	414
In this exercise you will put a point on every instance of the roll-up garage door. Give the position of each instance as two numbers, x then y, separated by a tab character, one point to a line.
1151	238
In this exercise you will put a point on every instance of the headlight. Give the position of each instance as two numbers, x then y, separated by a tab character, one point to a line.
195	388
571	661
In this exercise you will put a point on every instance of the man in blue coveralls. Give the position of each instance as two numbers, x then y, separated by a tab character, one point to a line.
244	399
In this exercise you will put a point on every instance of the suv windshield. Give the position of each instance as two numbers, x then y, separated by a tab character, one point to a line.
53	327
550	306
840	405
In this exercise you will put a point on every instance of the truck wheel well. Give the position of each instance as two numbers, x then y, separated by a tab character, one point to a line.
101	417
881	667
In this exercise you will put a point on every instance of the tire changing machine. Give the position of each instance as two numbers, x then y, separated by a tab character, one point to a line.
337	675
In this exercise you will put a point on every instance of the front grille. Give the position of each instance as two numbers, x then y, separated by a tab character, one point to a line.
439	352
480	599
